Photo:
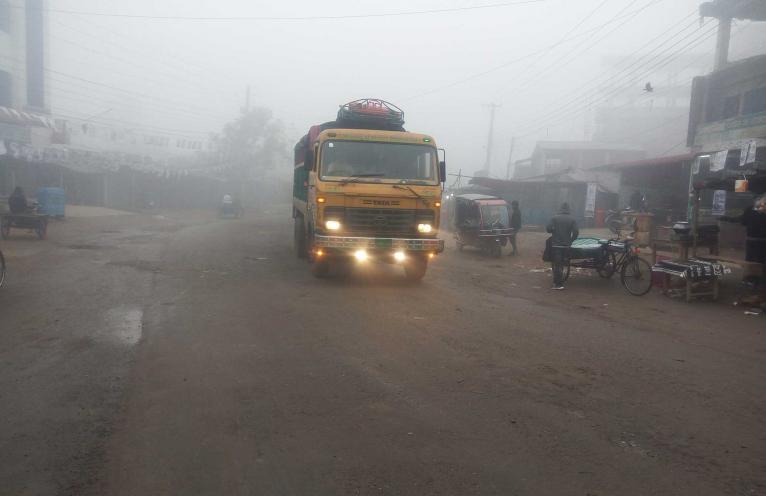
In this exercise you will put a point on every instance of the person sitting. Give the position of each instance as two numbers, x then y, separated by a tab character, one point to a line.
17	202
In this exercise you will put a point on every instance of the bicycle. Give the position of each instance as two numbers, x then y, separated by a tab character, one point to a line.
610	257
2	269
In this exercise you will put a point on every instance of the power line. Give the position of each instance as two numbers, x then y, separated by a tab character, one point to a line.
166	63
181	133
568	97
568	57
518	59
697	41
296	18
88	99
574	28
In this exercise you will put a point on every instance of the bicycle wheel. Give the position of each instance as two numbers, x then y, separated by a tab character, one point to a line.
2	269
636	276
609	268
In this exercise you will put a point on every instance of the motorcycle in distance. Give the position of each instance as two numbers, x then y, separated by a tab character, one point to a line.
483	222
230	208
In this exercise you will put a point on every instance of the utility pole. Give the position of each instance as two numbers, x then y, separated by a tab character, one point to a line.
722	43
488	163
510	159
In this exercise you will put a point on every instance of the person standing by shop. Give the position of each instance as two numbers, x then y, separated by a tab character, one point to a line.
515	225
563	229
754	220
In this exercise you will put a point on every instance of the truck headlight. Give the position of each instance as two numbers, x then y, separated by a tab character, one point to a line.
332	225
425	228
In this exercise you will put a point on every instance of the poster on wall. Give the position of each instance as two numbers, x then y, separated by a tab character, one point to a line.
751	152
590	200
719	202
718	161
744	152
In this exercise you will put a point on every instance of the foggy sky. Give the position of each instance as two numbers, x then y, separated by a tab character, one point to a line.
191	75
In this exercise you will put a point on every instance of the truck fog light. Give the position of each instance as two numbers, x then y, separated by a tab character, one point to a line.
399	256
332	225
425	228
360	255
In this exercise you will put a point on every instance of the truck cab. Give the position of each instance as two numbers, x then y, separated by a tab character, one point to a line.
367	191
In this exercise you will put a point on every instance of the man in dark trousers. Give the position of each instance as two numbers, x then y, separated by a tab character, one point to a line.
563	229
515	225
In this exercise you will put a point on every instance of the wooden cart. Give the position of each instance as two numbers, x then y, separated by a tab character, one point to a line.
31	222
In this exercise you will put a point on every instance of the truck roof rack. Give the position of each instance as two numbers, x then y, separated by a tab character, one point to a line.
372	111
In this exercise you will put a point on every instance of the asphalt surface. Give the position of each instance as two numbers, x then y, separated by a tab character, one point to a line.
182	354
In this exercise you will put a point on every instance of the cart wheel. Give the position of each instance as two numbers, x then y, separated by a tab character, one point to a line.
636	276
5	230
2	269
42	230
609	268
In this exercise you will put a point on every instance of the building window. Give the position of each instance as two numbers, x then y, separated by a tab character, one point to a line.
6	90
730	107
5	16
755	101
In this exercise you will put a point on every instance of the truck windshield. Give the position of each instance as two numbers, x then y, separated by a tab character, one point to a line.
378	162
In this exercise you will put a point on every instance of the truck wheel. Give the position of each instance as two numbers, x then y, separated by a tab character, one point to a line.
299	238
415	268
320	268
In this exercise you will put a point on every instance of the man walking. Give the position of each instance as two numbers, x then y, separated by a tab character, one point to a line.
563	229
515	225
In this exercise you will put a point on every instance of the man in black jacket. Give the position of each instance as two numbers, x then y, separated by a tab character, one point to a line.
754	220
563	229
515	225
17	202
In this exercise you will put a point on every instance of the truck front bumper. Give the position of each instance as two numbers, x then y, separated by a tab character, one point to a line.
361	243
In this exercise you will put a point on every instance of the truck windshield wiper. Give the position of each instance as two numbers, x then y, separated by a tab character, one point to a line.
398	186
355	177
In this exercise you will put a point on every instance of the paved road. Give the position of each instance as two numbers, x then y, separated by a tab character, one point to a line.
180	354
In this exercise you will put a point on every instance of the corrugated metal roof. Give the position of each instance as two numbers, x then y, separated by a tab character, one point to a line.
585	145
649	162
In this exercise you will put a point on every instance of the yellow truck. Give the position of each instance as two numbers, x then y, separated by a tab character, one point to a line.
365	190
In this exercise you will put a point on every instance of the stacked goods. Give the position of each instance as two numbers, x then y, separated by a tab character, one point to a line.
693	269
643	224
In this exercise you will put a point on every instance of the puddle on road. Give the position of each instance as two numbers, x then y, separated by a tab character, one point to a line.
123	325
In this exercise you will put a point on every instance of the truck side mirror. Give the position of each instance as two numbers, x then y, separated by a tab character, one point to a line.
443	170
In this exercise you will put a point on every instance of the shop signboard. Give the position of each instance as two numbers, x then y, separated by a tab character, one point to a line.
590	200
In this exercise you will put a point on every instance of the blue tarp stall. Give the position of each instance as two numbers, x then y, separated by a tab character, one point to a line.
52	202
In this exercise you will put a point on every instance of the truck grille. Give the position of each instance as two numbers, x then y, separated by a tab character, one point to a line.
385	221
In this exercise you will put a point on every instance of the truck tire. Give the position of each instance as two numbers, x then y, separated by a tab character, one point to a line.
415	269
320	268
299	237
